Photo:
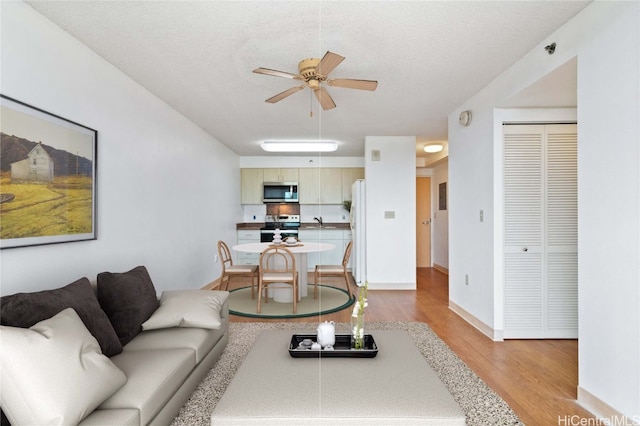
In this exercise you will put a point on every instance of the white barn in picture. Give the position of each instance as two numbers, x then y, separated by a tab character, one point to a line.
36	168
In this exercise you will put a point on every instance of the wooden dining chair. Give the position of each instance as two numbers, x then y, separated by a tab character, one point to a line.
229	270
277	265
334	271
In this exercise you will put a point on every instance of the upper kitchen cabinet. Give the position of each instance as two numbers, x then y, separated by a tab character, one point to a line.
251	186
350	175
316	185
320	185
280	175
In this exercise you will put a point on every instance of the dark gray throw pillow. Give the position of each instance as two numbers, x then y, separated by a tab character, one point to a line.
26	309
129	299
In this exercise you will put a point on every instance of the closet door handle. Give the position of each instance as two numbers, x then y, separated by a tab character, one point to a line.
525	249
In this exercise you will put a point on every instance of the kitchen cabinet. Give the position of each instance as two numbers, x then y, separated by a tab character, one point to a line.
316	185
339	238
350	175
246	236
320	186
251	186
280	175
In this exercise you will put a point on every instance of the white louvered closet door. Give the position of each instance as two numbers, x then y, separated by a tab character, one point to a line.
562	230
523	184
540	245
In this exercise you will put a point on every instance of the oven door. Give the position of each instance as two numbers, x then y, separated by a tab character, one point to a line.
266	235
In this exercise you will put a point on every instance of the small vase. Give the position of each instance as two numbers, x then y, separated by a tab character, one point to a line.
357	331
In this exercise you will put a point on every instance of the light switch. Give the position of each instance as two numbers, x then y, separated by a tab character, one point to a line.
375	155
481	215
390	215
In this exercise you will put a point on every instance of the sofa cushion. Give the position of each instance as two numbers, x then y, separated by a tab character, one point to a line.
26	309
200	340
152	378
188	308
116	416
129	299
54	372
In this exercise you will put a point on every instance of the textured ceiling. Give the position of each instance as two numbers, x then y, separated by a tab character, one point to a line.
429	57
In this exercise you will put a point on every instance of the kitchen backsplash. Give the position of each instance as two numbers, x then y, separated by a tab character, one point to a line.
278	209
331	213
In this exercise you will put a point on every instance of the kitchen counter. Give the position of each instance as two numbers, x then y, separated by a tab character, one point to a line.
340	226
250	226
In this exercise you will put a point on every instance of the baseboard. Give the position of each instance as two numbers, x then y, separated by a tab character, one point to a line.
602	410
492	334
441	268
213	284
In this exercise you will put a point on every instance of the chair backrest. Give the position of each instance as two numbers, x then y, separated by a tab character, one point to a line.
347	254
277	259
225	255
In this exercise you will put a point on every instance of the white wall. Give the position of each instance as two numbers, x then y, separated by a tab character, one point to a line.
167	191
440	218
605	38
391	186
609	238
471	190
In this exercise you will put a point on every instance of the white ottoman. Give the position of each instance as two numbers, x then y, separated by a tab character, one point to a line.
397	387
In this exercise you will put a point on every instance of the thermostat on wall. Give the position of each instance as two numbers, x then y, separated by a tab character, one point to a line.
465	118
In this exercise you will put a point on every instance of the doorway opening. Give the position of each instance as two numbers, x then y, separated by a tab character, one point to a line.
423	222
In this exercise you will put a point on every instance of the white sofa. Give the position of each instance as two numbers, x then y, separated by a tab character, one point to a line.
54	364
163	368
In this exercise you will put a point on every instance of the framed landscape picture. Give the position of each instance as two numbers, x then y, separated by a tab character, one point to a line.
48	180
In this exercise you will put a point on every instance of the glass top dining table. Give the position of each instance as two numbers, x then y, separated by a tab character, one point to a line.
284	294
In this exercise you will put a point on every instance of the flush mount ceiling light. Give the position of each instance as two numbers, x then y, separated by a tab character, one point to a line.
432	148
299	146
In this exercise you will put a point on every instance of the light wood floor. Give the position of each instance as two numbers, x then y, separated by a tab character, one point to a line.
537	378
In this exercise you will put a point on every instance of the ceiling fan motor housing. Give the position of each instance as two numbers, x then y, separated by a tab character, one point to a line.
307	68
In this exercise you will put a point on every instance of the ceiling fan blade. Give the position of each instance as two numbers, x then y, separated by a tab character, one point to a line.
350	83
324	98
282	95
328	63
276	73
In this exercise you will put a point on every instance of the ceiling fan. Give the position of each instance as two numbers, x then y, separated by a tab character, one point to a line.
314	72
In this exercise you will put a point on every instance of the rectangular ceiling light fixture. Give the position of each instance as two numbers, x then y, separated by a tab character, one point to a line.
299	146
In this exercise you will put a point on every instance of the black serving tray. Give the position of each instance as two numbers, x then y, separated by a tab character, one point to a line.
342	348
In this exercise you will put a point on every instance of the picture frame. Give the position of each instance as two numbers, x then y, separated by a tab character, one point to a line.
48	187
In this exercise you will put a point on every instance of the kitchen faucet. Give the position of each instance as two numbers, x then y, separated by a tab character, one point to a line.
319	220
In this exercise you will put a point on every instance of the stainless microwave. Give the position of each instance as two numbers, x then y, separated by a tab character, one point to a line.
280	192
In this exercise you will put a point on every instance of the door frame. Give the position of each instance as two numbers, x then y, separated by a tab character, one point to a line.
500	117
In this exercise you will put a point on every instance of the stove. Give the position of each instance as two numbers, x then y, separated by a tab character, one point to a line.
287	224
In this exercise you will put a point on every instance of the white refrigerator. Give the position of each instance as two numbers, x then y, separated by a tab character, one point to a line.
359	231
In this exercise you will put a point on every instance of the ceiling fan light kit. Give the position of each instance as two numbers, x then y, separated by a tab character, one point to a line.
314	72
299	146
433	148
